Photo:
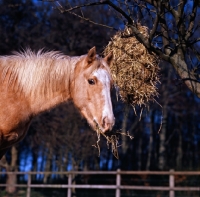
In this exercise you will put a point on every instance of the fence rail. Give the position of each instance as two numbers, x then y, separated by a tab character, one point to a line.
171	188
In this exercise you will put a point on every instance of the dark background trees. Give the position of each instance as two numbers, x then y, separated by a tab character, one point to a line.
60	139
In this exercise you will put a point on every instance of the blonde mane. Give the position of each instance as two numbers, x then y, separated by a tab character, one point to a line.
37	74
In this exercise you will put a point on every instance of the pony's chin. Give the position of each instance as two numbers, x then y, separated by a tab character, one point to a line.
93	123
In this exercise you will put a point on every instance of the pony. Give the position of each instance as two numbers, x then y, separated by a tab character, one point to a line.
33	82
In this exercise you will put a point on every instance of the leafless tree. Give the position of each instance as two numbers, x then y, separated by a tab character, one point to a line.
173	29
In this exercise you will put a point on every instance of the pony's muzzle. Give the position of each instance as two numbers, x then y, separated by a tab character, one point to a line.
108	124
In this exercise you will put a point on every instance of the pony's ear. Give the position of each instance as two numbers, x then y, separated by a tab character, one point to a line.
91	56
109	58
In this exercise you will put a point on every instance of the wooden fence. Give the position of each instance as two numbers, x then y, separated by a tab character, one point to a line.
171	188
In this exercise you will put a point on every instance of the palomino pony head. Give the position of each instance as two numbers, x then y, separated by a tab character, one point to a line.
91	90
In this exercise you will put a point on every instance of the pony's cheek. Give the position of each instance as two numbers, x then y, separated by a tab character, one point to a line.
86	114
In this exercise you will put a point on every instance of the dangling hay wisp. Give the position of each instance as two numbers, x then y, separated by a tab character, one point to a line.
134	70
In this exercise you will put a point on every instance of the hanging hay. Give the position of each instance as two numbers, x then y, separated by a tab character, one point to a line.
112	139
134	70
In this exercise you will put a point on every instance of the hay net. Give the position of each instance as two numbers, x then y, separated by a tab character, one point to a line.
134	69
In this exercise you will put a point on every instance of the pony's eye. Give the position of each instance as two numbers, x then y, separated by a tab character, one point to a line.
91	81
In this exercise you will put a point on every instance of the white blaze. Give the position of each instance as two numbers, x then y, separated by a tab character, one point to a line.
103	76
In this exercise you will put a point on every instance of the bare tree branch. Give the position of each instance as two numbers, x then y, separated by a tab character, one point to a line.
190	79
191	21
180	23
195	41
155	26
152	2
171	10
164	28
181	6
62	10
181	67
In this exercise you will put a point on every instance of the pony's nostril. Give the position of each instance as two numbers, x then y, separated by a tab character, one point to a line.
107	125
104	122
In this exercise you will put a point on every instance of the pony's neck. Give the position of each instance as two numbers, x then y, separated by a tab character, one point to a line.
57	90
41	79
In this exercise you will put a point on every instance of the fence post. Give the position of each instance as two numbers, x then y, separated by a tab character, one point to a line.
118	183
28	191
171	184
69	191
